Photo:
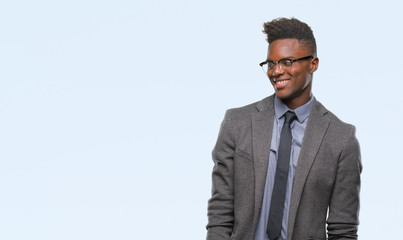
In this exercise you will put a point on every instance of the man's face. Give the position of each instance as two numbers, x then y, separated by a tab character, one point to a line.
292	85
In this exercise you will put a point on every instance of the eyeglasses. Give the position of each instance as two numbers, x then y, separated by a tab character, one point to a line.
284	64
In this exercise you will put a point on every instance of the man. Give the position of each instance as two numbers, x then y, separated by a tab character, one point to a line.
285	167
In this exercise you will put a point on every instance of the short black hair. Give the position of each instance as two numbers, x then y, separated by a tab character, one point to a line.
290	28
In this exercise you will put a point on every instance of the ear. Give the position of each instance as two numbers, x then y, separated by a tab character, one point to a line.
314	65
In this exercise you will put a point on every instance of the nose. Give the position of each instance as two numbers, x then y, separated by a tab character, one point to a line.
278	69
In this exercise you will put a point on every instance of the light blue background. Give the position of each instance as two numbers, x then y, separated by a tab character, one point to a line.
109	110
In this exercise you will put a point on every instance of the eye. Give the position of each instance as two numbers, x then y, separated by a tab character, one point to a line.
286	62
271	65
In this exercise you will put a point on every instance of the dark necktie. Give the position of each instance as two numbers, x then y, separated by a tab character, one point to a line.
280	180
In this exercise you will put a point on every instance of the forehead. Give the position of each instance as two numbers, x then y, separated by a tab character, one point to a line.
284	48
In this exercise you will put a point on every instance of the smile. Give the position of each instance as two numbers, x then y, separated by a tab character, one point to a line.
281	83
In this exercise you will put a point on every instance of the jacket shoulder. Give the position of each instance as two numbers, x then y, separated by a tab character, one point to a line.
335	121
339	133
243	112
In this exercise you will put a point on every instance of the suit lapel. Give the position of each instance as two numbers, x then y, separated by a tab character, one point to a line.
314	133
262	125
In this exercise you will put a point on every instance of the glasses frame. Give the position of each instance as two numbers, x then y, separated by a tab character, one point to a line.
279	61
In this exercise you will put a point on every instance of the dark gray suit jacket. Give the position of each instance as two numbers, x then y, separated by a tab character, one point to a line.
326	185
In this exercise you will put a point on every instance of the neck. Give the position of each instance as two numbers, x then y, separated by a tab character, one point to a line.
296	102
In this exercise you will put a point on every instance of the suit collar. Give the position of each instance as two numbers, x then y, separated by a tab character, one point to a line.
265	104
315	131
262	127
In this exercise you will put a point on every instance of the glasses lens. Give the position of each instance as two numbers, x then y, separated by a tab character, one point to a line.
265	68
271	65
285	63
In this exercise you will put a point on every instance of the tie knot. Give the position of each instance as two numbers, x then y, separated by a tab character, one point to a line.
289	117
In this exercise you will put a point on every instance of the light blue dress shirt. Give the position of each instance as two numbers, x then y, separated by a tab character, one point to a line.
297	129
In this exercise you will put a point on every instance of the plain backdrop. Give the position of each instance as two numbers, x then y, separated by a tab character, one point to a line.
109	110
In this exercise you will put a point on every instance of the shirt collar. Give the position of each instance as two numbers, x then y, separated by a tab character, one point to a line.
302	112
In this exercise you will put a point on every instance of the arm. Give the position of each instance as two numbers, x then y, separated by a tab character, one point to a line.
344	203
221	204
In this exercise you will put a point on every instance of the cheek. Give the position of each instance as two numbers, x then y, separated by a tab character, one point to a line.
271	80
302	78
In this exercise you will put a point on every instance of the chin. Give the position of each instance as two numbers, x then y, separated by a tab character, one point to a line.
283	96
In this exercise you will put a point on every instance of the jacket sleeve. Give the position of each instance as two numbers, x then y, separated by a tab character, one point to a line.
221	204
345	203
